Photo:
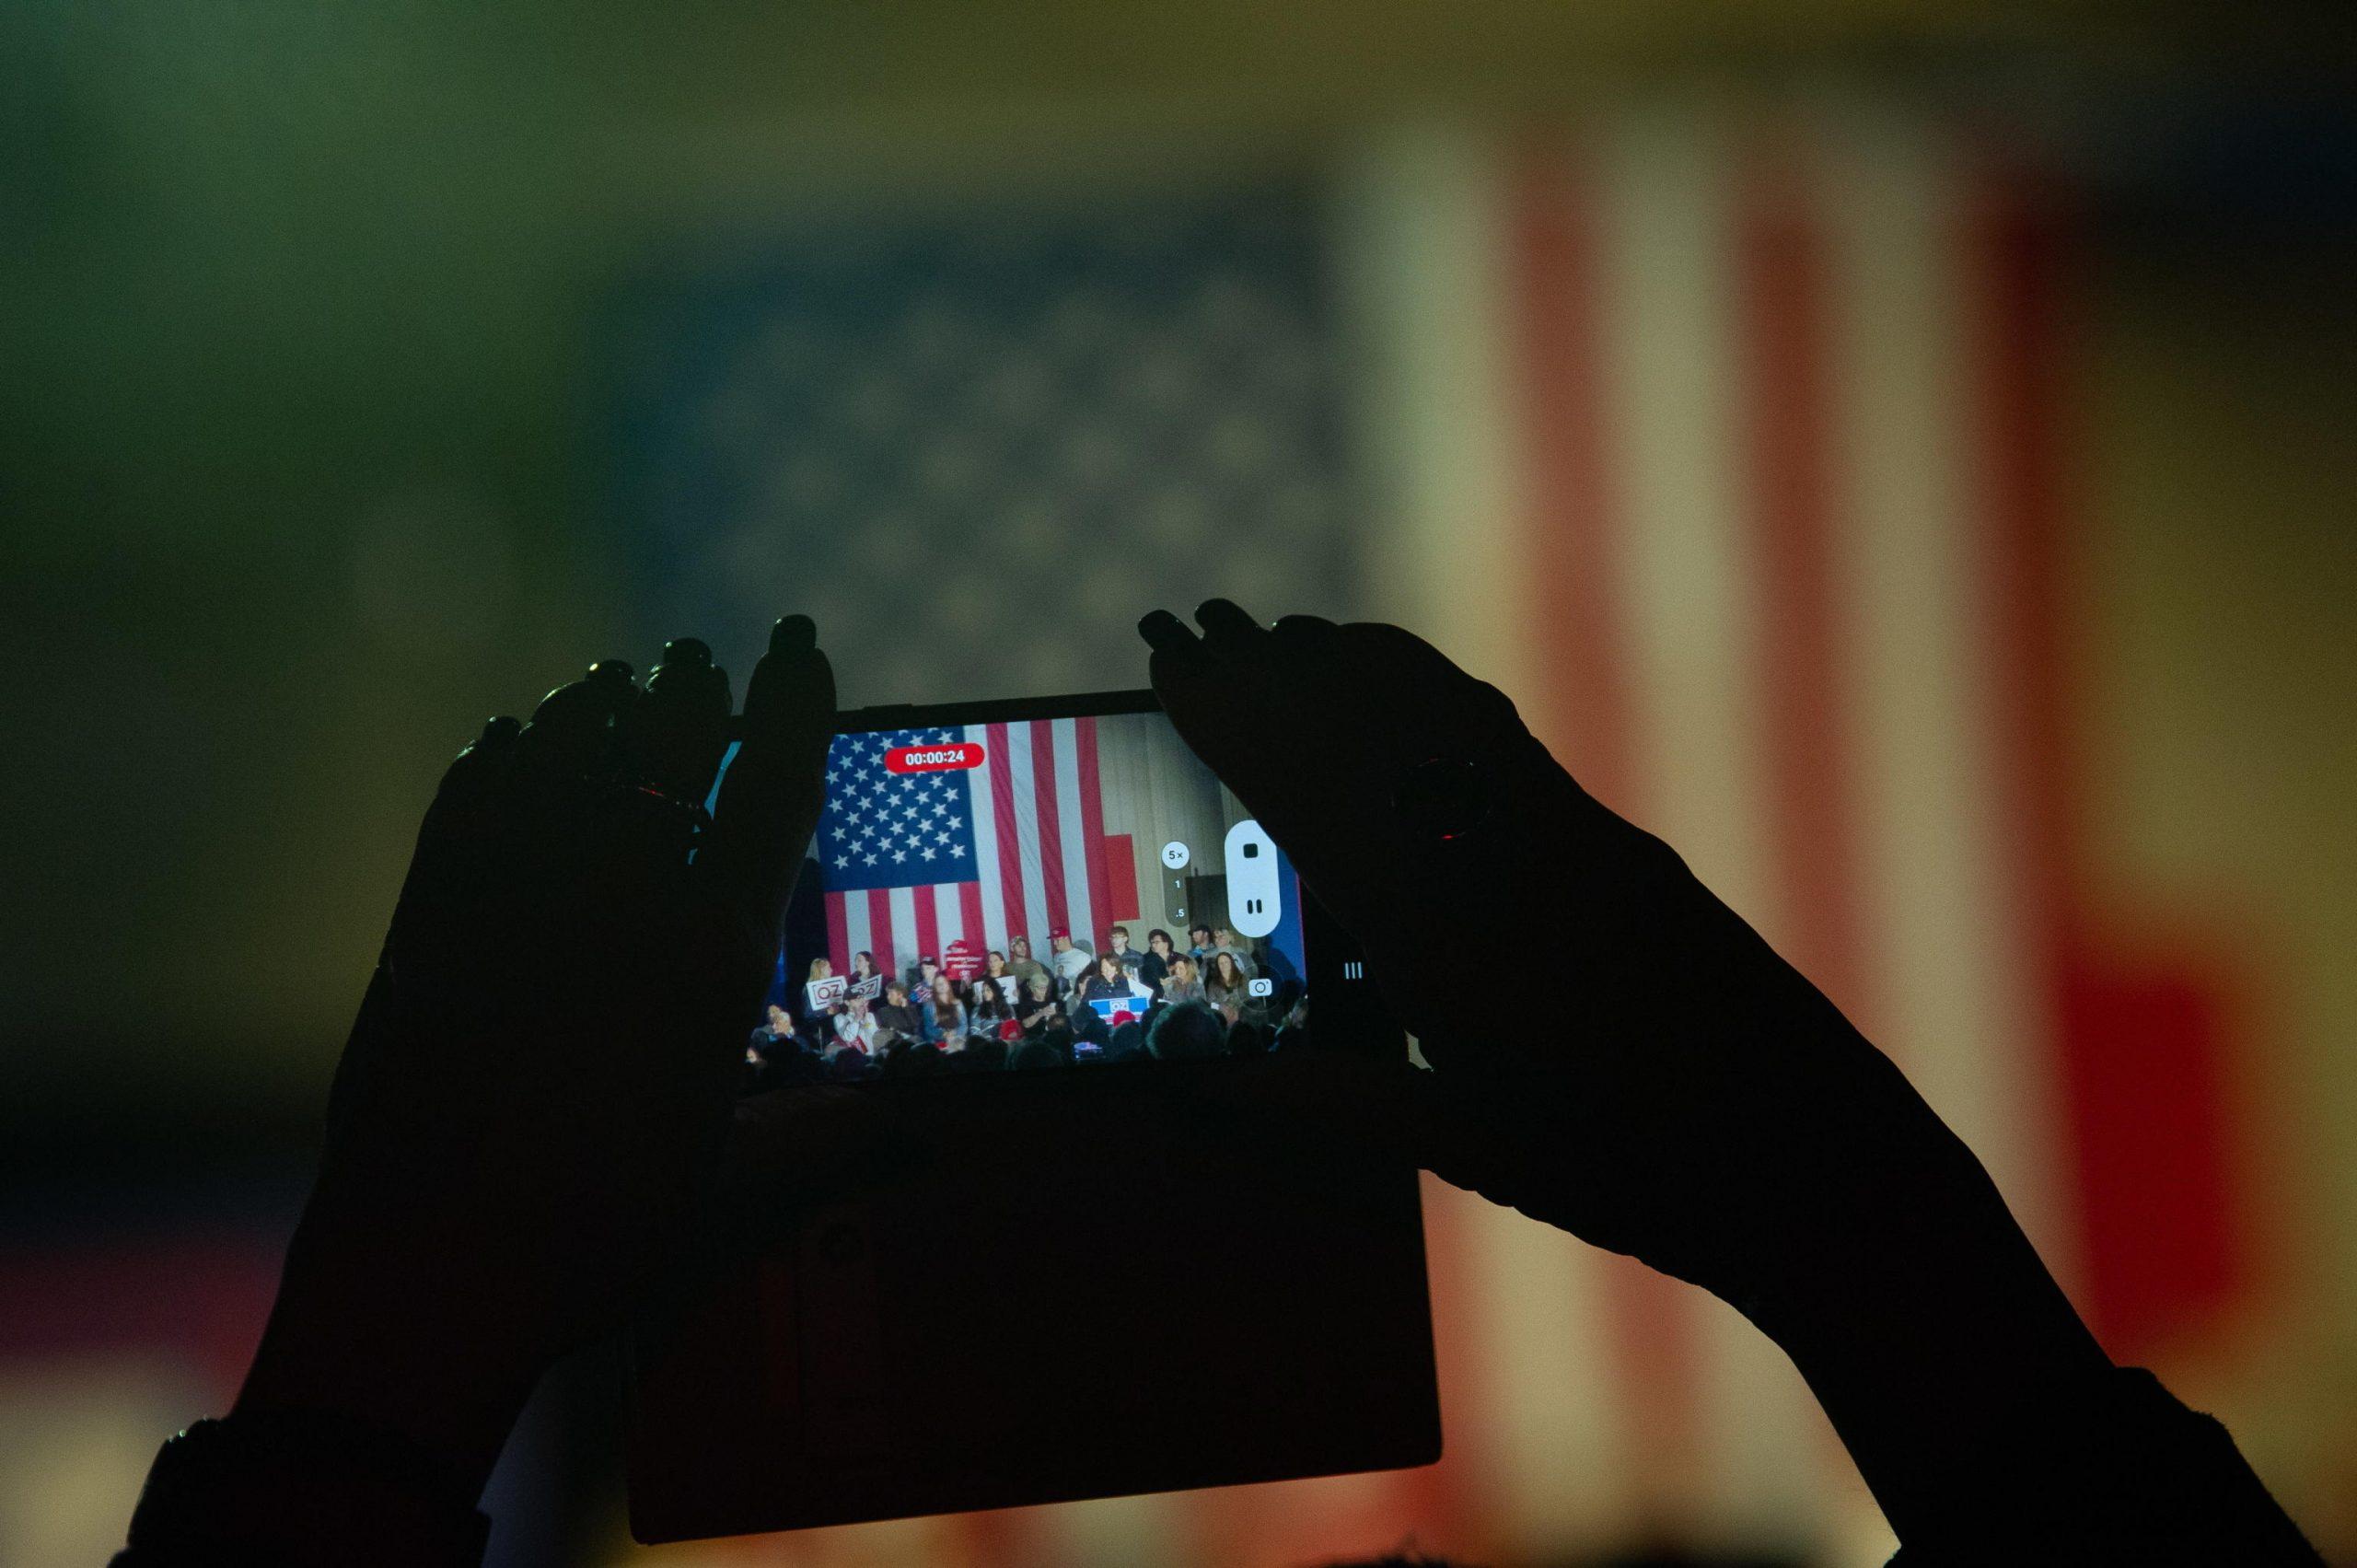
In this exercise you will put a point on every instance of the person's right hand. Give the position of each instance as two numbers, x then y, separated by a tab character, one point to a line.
1661	1083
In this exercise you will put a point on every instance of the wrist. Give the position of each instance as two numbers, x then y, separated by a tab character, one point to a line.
404	1356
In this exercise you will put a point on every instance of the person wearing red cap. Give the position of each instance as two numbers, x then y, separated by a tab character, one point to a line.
1071	962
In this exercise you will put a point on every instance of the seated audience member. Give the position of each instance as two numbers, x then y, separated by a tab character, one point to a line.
1187	1031
1112	982
778	1025
1227	988
863	968
1159	949
1229	942
1126	1043
1039	1007
945	1016
1010	990
853	1025
986	1009
1245	1037
1117	941
921	977
1199	944
1184	983
1031	1054
912	1058
811	1021
897	1015
1021	964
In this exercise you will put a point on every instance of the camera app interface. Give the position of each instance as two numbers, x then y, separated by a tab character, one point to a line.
1043	893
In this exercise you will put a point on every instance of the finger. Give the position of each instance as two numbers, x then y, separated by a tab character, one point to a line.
1306	631
672	739
770	797
1229	632
572	730
1327	1105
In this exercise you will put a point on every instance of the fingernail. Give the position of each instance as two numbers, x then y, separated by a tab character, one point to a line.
498	730
793	635
692	651
1161	629
612	669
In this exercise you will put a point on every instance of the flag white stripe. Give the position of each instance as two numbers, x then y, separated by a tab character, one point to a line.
1072	834
1669	348
948	913
1020	785
1936	910
857	936
903	902
986	847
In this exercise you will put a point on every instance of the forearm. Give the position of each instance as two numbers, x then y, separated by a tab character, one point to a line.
1991	1426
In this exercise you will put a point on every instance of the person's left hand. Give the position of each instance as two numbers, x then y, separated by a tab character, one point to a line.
531	1123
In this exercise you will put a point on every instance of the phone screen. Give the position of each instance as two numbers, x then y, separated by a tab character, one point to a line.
1045	891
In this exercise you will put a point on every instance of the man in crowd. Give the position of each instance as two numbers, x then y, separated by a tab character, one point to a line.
1129	956
1071	962
1022	965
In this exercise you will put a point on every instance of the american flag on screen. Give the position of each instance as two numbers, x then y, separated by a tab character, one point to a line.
979	832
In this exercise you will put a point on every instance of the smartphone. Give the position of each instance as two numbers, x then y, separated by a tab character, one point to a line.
1080	1295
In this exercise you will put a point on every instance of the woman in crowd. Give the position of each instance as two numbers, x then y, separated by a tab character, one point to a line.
986	1007
1038	1009
1229	942
1182	981
945	1016
863	966
1155	965
854	1027
1112	982
1010	990
813	1021
1225	986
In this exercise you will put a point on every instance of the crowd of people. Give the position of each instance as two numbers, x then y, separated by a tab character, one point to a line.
1222	994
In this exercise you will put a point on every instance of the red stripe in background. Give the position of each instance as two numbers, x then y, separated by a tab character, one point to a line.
838	935
1784	330
880	937
969	911
2142	1061
1010	846
1092	823
1121	878
1586	714
1052	847
928	922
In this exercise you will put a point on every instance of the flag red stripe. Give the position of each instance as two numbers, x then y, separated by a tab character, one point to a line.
1052	847
2141	1062
1586	715
1092	823
880	932
838	935
969	909
1783	345
928	931
1010	846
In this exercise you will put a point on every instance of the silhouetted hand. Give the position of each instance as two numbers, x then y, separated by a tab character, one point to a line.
1685	1097
531	1125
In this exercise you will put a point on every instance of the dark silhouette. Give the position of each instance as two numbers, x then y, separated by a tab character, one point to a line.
1704	1109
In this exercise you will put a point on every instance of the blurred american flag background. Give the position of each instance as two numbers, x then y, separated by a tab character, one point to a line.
1839	490
1737	448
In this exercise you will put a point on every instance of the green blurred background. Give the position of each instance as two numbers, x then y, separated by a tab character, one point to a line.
314	322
